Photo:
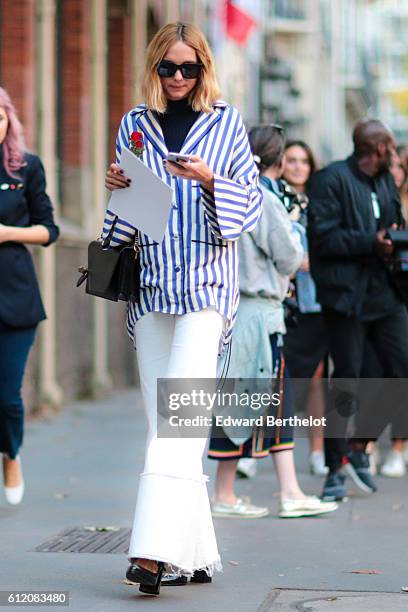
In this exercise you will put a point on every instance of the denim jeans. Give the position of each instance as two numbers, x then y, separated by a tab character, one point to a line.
15	344
173	520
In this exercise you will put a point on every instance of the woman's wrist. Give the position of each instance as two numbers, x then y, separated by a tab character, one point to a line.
208	183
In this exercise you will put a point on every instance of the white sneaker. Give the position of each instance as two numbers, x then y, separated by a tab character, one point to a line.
316	464
394	465
241	509
311	506
14	495
246	467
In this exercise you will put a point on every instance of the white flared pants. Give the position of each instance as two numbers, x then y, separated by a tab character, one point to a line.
173	521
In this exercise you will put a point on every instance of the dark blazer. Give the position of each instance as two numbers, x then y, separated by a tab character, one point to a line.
23	203
342	232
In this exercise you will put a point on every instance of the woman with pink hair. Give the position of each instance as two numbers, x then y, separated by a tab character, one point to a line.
26	217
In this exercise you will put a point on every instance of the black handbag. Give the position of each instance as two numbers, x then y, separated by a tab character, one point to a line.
291	307
112	273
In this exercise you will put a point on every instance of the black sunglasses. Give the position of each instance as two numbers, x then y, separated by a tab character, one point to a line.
277	127
189	70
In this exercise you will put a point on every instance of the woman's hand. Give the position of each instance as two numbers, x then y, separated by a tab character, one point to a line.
305	265
115	179
195	170
294	214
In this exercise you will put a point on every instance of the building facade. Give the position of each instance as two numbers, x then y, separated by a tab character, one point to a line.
73	68
316	79
389	56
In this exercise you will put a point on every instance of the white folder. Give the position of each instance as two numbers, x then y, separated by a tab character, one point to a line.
146	203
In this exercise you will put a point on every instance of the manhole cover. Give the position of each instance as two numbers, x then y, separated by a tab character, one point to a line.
88	540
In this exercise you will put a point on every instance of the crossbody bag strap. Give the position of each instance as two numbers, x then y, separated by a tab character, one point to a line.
136	240
105	241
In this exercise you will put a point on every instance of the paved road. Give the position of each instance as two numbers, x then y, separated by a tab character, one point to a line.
81	469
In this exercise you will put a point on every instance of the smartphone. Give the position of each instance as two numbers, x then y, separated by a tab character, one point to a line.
174	158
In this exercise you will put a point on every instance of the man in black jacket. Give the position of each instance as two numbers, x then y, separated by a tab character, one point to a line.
352	205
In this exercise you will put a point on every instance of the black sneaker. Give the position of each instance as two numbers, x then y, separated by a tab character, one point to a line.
334	489
358	468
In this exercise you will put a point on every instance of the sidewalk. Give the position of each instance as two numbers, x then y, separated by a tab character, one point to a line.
81	469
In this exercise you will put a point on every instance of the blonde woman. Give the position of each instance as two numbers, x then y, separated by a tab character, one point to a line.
189	285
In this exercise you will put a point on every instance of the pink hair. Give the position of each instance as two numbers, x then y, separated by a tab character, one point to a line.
13	145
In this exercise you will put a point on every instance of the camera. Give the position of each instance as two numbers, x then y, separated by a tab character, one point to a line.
291	199
399	261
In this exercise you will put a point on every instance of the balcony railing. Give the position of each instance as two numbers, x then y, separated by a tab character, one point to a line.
288	15
288	9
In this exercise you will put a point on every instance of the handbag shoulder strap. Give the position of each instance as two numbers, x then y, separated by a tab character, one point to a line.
135	242
106	241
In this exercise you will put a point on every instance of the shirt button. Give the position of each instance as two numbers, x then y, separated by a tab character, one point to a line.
177	269
175	236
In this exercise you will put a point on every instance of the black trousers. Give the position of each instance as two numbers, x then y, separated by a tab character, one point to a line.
372	417
347	336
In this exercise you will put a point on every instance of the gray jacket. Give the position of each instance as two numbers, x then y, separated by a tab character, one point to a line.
270	254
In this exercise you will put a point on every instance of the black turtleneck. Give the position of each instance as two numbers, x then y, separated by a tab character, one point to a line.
176	122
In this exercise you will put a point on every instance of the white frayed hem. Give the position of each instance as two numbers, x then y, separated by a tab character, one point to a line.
176	570
202	480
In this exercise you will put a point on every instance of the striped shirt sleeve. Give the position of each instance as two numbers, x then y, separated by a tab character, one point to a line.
122	231
236	205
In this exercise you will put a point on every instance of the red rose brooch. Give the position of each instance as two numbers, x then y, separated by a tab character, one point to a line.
136	143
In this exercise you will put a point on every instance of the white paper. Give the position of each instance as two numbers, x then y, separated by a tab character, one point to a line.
146	203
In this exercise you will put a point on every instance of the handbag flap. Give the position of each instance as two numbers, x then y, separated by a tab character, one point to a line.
102	264
129	275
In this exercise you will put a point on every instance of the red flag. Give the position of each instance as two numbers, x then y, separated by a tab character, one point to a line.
239	24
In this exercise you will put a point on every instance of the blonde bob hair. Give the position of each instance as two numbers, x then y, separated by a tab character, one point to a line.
206	91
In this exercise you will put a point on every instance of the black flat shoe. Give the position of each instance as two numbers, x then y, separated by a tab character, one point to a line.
199	576
149	581
173	580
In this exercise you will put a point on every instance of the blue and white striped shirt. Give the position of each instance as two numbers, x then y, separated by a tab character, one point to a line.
196	265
